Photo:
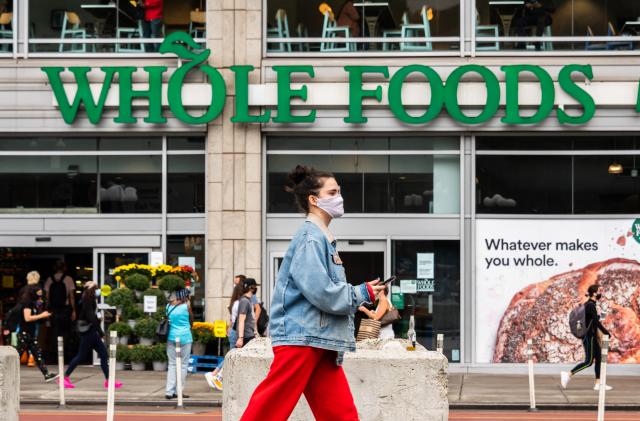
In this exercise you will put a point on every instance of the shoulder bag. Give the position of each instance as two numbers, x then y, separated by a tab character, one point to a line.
162	331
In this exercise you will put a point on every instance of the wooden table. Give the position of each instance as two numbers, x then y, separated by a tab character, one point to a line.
383	14
506	9
102	11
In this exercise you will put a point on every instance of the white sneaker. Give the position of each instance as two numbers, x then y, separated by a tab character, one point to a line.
209	378
606	387
565	377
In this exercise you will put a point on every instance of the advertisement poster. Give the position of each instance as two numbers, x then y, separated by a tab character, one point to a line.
425	265
530	274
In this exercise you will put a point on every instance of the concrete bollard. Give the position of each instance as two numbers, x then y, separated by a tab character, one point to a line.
62	403
603	377
9	383
414	386
111	383
532	385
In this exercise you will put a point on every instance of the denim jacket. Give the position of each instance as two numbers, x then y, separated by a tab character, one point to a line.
313	305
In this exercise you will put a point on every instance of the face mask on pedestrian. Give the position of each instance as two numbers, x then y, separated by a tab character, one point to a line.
332	205
98	293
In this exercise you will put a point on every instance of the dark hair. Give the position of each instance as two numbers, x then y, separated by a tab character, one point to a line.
29	295
303	182
59	266
235	295
593	289
241	277
89	294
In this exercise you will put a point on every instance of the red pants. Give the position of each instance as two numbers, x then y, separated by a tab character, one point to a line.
302	369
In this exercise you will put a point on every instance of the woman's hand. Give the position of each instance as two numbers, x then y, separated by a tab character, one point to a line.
45	314
363	309
376	286
239	343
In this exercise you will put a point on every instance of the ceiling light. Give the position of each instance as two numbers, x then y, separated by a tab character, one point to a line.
615	168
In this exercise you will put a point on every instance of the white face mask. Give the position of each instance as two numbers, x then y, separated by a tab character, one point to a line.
333	205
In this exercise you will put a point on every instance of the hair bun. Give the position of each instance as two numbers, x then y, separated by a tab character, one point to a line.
297	176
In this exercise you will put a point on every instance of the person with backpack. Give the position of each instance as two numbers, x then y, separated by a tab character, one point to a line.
180	320
312	313
29	318
60	294
585	324
91	335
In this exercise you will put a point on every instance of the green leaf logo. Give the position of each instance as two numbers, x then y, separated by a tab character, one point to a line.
635	230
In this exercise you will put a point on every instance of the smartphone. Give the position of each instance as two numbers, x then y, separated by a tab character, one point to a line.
388	281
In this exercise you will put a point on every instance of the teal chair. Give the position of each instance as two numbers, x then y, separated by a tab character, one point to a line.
394	33
5	31
302	32
591	46
546	45
487	31
281	30
130	34
417	30
331	31
71	30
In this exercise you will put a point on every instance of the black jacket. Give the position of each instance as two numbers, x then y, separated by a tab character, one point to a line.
593	318
88	313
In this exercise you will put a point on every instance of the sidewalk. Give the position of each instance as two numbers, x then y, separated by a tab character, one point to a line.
466	391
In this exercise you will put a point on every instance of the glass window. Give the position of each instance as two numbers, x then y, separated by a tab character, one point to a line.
551	143
546	18
523	184
185	184
190	143
129	21
130	184
362	143
48	184
49	144
130	144
190	250
341	18
436	306
607	184
376	183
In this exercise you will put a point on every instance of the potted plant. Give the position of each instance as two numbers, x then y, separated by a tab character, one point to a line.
120	298
146	330
123	356
131	314
162	299
202	334
123	330
170	283
138	283
159	357
139	355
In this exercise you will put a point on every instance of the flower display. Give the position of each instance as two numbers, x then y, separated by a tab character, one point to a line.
202	332
154	273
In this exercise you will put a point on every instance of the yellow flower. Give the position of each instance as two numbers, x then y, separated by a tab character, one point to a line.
118	278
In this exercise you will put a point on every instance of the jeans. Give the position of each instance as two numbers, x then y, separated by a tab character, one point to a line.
152	29
90	341
171	373
28	342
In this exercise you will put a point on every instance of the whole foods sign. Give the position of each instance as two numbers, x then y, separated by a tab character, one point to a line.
444	93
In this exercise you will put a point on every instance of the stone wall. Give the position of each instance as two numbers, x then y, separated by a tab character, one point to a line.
388	382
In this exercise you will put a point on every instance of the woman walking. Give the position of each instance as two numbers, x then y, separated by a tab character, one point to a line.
179	315
214	378
91	335
384	306
312	312
29	319
591	342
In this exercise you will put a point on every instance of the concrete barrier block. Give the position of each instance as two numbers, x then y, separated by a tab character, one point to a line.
9	384
388	382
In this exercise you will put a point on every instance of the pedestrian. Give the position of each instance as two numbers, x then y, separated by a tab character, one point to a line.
311	324
245	323
257	310
33	278
29	319
590	342
384	306
180	320
60	294
91	335
214	378
152	23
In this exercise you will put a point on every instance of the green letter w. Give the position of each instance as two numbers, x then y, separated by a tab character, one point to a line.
83	94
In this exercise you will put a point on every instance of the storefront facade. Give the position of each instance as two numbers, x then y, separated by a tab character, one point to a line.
453	166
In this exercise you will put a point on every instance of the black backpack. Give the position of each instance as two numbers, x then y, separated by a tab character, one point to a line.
263	321
57	293
13	318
